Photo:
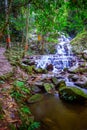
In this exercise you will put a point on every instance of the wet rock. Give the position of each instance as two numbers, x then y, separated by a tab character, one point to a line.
39	84
73	69
35	98
49	67
84	55
72	94
82	84
77	70
35	89
73	77
28	62
79	43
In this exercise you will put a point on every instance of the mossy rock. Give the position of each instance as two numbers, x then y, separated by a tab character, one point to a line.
28	62
79	43
35	89
35	98
28	69
61	84
78	70
72	94
48	87
55	80
40	70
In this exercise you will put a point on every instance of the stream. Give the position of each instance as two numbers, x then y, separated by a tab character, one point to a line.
63	58
52	112
57	115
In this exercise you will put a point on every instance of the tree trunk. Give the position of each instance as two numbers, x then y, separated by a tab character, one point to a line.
27	26
7	10
42	42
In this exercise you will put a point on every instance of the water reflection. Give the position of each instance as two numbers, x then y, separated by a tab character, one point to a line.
57	115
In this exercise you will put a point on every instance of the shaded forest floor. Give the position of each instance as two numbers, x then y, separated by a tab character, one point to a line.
14	93
8	106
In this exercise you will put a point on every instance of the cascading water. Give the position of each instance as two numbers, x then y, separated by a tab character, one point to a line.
62	59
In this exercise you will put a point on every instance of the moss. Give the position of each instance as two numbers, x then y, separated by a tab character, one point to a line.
80	70
72	94
79	43
79	38
61	84
28	69
55	80
40	70
19	83
35	98
48	87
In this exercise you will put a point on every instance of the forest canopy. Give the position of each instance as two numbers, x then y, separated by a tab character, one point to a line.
68	16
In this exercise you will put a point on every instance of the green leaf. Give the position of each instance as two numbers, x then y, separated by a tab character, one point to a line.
19	84
26	110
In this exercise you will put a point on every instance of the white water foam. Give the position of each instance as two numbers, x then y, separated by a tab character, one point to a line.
62	59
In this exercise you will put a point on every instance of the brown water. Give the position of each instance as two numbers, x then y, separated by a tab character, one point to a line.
57	115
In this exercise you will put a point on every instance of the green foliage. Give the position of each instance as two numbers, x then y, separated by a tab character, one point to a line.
46	16
48	87
19	83
28	69
61	16
72	94
16	95
27	119
25	110
34	125
20	91
49	39
11	126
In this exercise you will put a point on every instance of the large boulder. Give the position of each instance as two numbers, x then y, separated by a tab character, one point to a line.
79	43
84	54
72	94
82	84
77	69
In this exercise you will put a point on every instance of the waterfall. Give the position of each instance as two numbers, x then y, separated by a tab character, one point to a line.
63	58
